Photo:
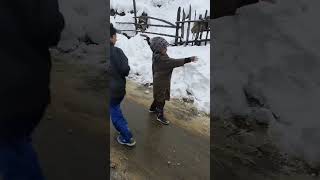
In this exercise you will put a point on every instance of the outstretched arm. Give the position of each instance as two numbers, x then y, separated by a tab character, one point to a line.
173	63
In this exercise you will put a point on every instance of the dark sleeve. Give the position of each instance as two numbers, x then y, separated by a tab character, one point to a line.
173	63
148	40
52	22
187	60
123	63
40	21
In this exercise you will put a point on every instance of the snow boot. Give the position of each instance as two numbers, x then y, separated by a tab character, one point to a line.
152	110
161	119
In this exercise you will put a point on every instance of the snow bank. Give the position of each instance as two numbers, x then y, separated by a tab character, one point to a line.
276	49
83	17
192	78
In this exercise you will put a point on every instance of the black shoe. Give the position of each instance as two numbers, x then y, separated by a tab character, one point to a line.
152	110
161	119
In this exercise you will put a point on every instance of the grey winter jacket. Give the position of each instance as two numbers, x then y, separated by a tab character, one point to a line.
119	71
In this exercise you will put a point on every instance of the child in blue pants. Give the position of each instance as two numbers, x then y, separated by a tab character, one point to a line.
120	123
119	70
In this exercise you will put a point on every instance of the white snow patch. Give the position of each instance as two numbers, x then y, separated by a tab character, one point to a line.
276	47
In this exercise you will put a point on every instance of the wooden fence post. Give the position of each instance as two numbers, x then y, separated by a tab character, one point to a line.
182	26
205	43
135	16
204	23
188	29
177	26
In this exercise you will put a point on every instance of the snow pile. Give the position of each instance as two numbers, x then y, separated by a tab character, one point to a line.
273	49
82	18
193	77
191	81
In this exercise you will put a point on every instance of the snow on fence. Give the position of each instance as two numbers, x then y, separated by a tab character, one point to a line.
188	31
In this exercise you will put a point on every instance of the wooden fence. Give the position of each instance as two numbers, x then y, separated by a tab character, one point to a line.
196	28
188	31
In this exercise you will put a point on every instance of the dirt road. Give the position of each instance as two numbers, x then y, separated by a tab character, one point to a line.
72	138
162	152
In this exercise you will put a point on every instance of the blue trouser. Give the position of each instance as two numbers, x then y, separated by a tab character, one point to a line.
118	120
18	161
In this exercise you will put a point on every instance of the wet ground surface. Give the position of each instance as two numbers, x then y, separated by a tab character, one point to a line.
243	150
162	152
72	138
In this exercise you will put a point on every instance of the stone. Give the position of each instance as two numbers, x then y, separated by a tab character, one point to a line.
113	165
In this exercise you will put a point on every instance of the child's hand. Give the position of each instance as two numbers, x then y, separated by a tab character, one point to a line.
194	59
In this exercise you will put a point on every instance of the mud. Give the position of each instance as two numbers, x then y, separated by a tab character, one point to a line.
71	139
162	152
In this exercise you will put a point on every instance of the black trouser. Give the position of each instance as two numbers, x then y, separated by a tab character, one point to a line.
158	106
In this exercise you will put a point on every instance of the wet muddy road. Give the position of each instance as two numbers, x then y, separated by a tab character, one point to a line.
72	138
162	152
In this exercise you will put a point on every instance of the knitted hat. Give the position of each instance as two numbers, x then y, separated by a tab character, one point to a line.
158	43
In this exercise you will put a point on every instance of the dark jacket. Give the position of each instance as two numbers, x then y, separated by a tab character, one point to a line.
28	29
229	7
119	71
162	67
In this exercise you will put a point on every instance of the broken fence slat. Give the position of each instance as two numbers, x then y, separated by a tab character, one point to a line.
188	28
193	21
135	14
205	17
182	25
150	33
156	25
202	40
157	19
177	26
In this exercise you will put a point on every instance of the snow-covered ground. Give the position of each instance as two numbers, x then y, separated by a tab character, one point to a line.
276	49
83	17
194	77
